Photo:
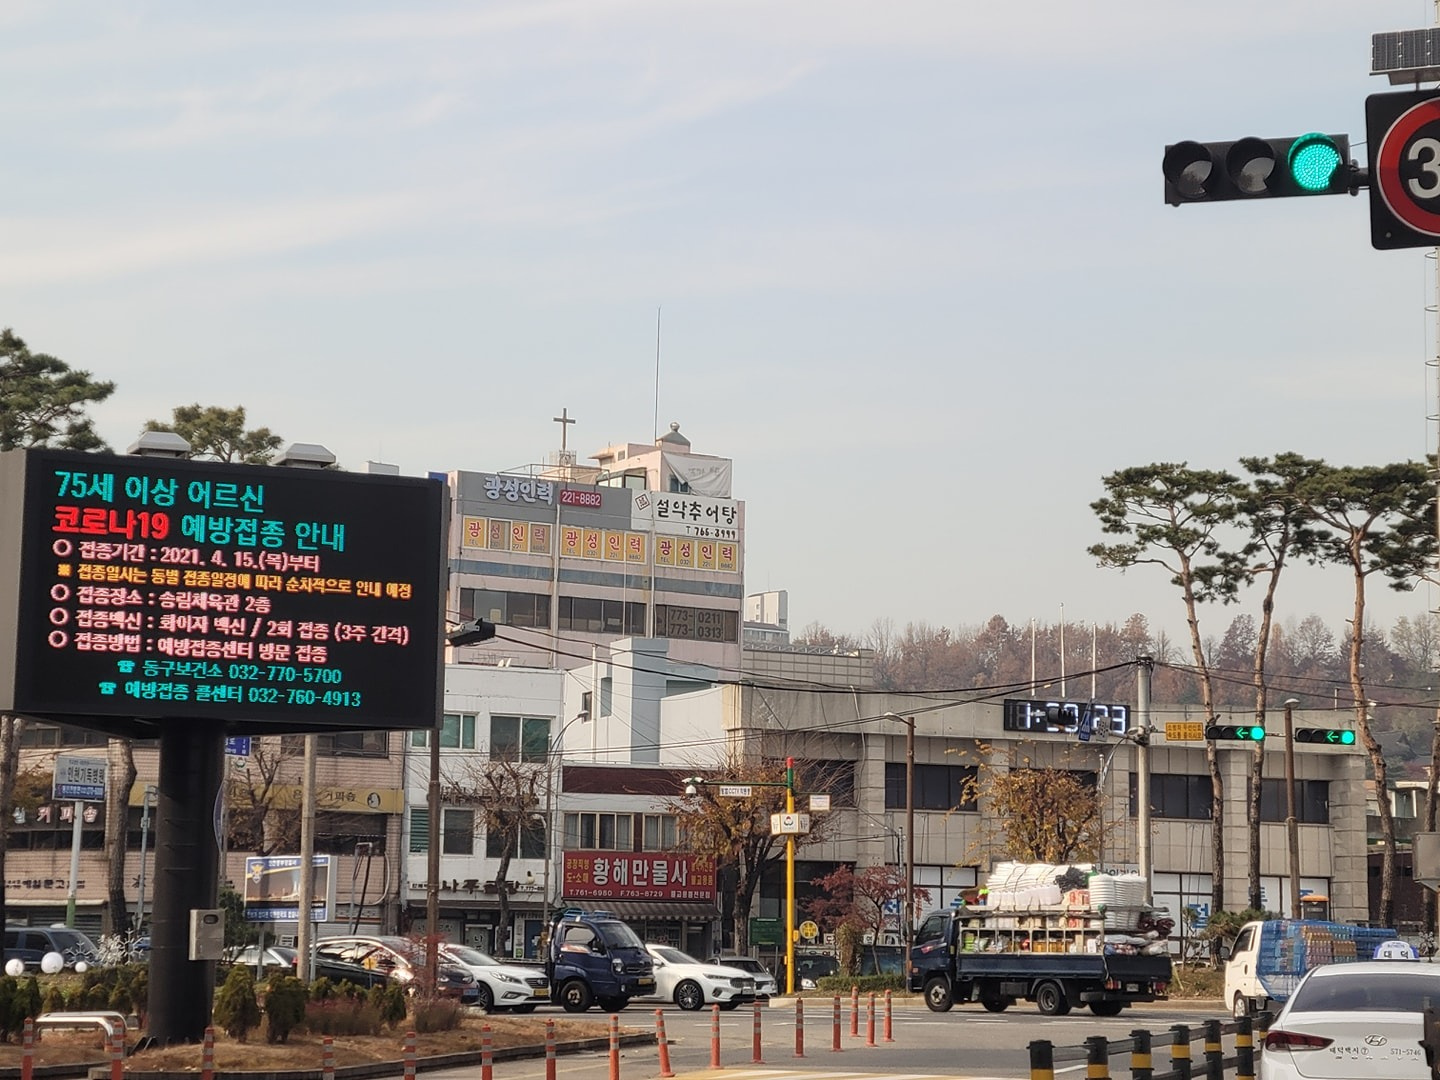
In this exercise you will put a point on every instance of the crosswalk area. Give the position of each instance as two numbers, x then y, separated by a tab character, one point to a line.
760	1073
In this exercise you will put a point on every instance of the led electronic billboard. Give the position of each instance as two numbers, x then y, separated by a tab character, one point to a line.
135	590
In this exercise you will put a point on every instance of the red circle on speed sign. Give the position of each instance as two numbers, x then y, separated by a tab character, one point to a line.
1407	167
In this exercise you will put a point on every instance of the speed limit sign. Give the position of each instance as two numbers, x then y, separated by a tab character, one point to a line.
1403	132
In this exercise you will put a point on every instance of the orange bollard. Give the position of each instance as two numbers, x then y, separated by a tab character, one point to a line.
799	1027
854	1012
714	1037
207	1055
549	1050
835	1037
755	1055
889	1030
870	1021
410	1055
117	1056
27	1060
660	1041
327	1058
614	1048
487	1053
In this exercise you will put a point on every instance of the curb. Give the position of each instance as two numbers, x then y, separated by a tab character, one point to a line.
354	1072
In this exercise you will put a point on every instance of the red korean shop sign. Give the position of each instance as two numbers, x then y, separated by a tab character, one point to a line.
617	875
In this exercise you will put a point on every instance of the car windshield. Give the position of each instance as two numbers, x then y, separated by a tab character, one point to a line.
672	956
817	965
474	957
744	963
71	941
1403	991
618	935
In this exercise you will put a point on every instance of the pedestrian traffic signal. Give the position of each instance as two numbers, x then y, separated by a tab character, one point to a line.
1244	732
1250	168
1332	736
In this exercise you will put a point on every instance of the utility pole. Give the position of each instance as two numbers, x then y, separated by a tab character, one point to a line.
906	927
1292	826
304	936
1145	666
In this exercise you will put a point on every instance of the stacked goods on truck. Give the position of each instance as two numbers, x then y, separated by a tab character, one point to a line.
1268	958
1041	935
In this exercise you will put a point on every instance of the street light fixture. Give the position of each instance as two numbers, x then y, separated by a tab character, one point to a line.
692	788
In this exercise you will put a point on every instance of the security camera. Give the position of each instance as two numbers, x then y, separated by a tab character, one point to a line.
691	788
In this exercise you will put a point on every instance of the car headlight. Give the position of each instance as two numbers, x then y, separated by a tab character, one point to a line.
500	976
617	965
807	984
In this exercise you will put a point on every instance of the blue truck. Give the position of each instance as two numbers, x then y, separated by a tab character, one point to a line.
594	958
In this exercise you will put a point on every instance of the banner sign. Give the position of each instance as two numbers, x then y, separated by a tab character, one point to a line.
613	875
272	889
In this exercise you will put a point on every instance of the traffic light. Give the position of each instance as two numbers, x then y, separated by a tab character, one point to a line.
1332	736
1250	168
1243	732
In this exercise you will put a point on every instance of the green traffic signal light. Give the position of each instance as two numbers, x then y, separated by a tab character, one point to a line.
1328	736
1243	732
1313	160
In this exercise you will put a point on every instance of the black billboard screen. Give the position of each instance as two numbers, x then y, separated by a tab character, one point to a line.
137	589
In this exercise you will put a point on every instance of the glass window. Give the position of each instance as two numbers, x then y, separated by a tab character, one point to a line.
1174	795
661	832
457	832
932	930
696	623
457	732
1312	801
419	829
506	608
937	787
598	832
515	738
342	744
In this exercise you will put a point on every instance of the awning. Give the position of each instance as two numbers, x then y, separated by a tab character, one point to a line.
651	909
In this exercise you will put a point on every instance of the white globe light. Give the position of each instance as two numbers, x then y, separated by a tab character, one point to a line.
51	963
81	967
15	967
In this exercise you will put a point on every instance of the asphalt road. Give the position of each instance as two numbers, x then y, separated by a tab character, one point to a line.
966	1043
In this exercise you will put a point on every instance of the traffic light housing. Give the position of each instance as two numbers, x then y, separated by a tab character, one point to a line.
1251	168
1329	736
1242	732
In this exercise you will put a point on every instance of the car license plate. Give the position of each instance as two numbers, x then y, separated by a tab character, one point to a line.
1132	988
644	982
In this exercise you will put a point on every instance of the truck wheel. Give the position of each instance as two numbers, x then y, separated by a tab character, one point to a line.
1106	1008
575	996
996	1004
937	995
1240	1007
689	996
1051	999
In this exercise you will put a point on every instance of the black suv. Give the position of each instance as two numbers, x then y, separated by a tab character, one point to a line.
29	944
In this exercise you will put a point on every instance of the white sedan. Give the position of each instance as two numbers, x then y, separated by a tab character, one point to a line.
1351	1020
692	985
501	986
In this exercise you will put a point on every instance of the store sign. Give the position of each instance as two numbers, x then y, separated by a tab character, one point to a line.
79	779
612	875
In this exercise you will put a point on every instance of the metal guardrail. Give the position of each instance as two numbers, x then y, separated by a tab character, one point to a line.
1213	1065
112	1023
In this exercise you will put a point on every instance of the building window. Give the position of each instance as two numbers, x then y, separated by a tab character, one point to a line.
457	832
1312	801
457	732
341	834
937	787
662	832
40	734
342	744
838	780
531	841
519	738
696	624
506	608
598	832
597	616
419	830
1174	795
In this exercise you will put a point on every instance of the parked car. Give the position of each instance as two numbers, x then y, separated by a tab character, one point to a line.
765	983
809	970
680	978
31	943
499	986
399	958
276	956
1356	1019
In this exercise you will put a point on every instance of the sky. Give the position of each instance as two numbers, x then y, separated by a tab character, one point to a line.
910	263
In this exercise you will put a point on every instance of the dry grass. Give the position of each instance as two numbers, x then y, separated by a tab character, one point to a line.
304	1051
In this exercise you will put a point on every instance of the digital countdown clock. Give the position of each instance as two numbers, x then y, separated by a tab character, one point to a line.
1066	717
135	590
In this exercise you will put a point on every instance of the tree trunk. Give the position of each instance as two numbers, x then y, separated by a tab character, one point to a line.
117	821
11	728
1257	762
1386	910
504	945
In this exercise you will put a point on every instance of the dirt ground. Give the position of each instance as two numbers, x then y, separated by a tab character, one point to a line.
304	1051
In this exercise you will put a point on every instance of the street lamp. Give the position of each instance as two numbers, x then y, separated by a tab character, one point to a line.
692	788
552	765
906	924
1292	827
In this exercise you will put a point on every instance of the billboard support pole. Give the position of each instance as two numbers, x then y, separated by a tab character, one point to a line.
78	809
186	877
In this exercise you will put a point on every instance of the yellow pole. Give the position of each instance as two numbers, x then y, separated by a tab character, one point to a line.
790	881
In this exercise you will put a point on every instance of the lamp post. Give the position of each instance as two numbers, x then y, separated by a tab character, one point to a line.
1292	827
692	788
552	767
